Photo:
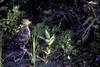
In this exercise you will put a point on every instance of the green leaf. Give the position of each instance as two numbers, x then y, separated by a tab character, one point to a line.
93	2
43	38
48	51
51	40
87	20
96	26
47	34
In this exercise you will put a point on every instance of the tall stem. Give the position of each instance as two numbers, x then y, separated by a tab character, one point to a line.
34	46
1	48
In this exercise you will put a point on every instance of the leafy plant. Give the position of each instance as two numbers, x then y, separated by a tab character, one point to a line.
37	30
67	41
10	24
49	40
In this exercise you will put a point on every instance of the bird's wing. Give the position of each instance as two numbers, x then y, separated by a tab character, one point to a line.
22	37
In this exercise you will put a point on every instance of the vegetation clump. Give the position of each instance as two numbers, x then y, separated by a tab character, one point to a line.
63	33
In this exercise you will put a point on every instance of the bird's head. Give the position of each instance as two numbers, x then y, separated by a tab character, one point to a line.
26	22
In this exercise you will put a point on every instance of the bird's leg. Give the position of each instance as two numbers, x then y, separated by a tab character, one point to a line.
22	53
22	56
23	48
25	51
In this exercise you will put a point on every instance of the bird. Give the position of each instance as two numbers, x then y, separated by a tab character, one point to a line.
22	38
1	1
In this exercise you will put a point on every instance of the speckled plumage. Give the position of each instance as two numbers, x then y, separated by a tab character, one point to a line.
22	37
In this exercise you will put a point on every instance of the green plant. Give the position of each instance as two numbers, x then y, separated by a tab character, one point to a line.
67	41
34	46
37	30
64	41
49	40
9	24
1	34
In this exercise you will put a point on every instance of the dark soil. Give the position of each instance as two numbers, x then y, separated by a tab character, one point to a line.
67	11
